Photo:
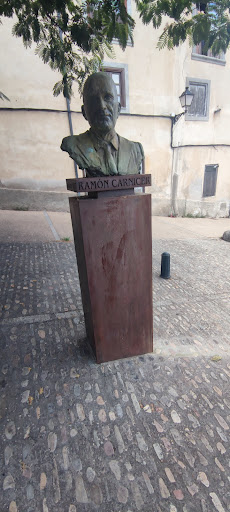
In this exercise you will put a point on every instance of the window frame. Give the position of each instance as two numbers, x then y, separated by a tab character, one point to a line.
189	81
129	11
196	55
208	58
114	67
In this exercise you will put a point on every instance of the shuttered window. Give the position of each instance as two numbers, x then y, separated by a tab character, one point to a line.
199	103
210	179
199	109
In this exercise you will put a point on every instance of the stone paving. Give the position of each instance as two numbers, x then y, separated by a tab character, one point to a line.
149	433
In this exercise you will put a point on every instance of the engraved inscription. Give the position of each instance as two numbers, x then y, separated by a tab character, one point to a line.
109	183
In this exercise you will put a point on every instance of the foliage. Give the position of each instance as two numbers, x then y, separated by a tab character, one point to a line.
72	36
206	22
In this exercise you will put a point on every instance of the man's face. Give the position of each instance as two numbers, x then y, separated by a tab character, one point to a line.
101	108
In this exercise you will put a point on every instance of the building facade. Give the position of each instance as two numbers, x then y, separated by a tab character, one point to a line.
188	159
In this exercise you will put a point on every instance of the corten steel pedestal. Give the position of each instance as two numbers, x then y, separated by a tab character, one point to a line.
113	243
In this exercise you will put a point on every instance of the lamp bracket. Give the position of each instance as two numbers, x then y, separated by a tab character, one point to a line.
177	117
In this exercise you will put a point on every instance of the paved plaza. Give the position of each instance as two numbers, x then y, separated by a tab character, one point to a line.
148	433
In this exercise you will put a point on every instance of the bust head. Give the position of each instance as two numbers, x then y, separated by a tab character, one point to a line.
100	104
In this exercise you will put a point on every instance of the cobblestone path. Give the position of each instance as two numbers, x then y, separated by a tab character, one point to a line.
147	434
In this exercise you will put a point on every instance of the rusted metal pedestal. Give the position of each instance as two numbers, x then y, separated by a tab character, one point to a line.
113	245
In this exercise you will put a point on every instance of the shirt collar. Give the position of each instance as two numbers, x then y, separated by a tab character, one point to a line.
110	137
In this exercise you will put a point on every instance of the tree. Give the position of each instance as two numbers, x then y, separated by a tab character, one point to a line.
72	36
206	22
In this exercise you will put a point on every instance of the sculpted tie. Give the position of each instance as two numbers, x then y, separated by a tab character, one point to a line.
110	163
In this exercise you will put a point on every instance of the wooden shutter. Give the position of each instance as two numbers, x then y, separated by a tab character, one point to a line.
199	103
210	178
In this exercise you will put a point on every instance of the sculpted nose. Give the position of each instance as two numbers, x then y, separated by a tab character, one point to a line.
101	103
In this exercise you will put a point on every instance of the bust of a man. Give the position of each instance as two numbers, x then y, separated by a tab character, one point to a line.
100	151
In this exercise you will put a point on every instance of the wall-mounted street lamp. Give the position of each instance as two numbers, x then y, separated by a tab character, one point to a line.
186	100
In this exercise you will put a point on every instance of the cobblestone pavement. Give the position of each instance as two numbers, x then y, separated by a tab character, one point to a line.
149	433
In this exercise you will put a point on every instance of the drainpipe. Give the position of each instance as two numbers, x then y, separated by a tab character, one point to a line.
69	114
71	131
174	177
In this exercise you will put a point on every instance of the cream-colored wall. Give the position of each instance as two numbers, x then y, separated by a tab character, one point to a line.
214	130
25	79
30	140
208	142
191	167
30	153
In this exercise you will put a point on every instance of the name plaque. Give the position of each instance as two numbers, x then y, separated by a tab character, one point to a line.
103	183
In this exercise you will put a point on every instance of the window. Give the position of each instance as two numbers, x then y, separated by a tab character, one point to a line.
210	178
199	51
119	74
201	7
118	77
199	110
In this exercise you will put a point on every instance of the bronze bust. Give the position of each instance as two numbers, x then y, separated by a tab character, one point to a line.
100	151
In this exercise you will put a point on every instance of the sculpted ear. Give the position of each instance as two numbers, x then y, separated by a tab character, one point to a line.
119	109
83	112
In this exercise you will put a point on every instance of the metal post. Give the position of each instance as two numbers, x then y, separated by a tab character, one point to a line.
69	111
165	265
71	131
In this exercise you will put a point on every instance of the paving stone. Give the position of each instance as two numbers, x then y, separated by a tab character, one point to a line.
13	507
221	421
163	489
148	483
108	447
193	489
175	417
81	495
221	448
158	451
8	452
122	494
96	494
135	403
80	412
29	492
170	475
178	494
10	430
203	460
52	441
119	439
8	483
141	442
216	502
72	508
202	477
219	465
43	481
77	464
137	495
102	415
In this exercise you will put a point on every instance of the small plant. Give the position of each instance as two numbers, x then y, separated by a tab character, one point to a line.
194	216
65	239
21	208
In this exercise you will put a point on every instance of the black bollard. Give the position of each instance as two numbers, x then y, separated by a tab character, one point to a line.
165	265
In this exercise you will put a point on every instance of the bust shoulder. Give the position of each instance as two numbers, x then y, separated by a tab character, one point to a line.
129	145
73	141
